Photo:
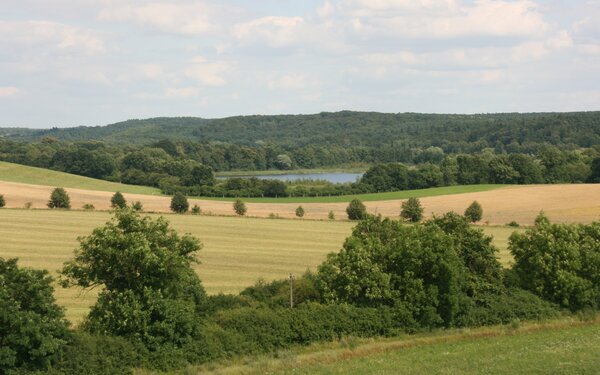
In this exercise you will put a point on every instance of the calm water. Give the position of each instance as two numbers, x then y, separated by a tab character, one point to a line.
334	177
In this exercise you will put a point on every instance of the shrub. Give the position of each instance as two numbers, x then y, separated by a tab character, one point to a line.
150	292
33	330
299	211
412	210
331	215
27	205
356	210
118	200
137	206
513	224
2	201
239	207
179	203
59	199
474	212
88	207
559	262
196	210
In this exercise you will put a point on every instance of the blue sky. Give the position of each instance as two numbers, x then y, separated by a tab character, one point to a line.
93	62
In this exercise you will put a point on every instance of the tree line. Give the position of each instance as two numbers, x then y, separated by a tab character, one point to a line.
389	278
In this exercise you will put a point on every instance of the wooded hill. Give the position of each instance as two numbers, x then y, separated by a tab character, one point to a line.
453	133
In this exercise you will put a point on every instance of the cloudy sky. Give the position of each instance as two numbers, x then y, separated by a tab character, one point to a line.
93	62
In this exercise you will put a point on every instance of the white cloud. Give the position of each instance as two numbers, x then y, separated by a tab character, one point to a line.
273	30
59	35
290	82
181	92
8	92
443	19
151	71
192	19
207	73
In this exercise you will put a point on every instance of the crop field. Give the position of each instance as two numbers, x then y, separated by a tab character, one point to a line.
237	251
560	347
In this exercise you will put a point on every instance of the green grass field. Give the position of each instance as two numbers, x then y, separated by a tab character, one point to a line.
39	176
559	347
393	195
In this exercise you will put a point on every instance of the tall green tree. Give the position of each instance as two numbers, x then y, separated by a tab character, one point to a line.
149	293
474	212
59	199
239	207
2	201
33	329
412	210
179	203
356	210
118	200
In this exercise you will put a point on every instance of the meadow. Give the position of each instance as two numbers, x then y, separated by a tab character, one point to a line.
237	250
557	347
40	176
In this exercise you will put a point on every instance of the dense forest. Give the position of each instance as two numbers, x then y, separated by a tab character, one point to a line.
510	132
436	150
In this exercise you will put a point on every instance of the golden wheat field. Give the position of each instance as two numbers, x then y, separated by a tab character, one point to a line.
237	251
562	203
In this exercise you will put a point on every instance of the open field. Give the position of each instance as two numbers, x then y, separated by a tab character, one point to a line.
237	251
39	176
557	347
562	203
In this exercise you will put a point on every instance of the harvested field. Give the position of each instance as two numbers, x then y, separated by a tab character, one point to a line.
578	203
237	251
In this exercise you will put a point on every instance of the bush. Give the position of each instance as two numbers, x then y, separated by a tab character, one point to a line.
137	206
179	203
97	354
412	210
559	262
299	211
513	224
331	215
33	330
356	210
474	212
27	205
150	292
239	207
88	207
196	210
2	201
59	199
118	200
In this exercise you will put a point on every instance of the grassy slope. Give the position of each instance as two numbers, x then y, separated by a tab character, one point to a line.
559	347
421	193
237	251
40	176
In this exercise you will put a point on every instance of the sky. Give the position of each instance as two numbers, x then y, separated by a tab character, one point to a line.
93	62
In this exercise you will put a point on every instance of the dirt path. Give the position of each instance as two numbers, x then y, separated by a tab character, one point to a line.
562	203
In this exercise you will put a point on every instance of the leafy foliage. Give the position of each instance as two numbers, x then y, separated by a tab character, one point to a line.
412	210
118	200
474	212
179	203
59	199
2	201
151	294
299	211
33	330
559	262
356	210
239	207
